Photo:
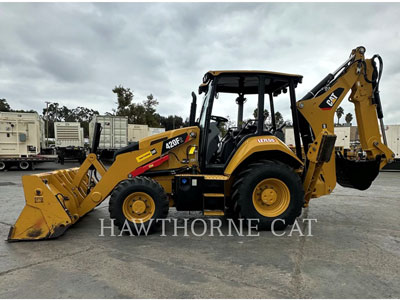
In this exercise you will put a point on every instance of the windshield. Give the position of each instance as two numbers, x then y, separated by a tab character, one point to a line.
206	103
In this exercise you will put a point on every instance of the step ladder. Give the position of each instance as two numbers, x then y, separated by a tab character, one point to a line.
214	200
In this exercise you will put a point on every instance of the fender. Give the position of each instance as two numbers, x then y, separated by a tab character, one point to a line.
258	144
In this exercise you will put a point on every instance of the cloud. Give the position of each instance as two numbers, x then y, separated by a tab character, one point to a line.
75	53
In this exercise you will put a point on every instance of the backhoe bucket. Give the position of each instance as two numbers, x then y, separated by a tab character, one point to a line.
50	198
356	174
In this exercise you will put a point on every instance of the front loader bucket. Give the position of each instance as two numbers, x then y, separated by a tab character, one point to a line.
50	198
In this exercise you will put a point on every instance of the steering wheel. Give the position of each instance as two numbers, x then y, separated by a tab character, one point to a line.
219	119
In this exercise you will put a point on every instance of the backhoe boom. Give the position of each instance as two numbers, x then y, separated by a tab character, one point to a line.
318	107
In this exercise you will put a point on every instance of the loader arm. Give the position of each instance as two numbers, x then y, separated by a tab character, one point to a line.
317	109
56	200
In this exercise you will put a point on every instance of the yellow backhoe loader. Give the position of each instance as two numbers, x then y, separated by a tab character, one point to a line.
250	172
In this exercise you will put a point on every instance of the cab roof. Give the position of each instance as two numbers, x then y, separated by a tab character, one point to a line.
246	81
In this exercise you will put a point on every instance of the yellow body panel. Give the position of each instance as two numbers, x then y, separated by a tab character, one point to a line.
258	144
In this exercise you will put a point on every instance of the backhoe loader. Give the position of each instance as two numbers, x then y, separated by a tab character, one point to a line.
249	173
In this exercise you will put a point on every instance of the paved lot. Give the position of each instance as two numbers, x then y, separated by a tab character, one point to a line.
354	253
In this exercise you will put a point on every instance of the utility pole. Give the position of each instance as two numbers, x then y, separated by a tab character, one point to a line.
47	124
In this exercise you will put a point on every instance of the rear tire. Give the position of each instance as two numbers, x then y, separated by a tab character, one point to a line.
139	202
3	166
267	191
24	165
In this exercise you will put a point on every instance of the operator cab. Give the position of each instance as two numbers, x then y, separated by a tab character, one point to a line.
217	150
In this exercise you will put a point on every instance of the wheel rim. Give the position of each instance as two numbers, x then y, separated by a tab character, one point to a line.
24	165
2	166
271	197
138	207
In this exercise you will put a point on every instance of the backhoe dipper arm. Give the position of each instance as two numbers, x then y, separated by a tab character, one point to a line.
317	110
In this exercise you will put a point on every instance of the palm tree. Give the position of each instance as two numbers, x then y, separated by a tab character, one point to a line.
348	118
339	113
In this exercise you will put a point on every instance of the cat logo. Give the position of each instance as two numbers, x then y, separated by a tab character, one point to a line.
330	101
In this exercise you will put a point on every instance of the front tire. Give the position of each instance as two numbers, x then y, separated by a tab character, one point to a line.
268	191
140	202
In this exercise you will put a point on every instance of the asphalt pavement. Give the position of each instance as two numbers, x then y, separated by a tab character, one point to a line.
354	252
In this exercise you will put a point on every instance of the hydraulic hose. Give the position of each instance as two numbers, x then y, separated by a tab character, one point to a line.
328	78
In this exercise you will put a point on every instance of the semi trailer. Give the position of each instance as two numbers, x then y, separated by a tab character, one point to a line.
69	141
22	141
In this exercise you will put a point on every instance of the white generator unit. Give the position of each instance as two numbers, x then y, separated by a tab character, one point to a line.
20	134
137	132
154	130
114	132
342	137
68	134
393	139
289	136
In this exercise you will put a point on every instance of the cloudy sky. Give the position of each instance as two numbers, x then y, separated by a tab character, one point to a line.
76	53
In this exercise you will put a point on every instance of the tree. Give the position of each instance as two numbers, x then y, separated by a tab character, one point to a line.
55	113
125	107
152	119
348	118
278	119
4	106
339	113
84	116
50	115
171	122
145	112
51	111
124	100
266	114
137	113
186	123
